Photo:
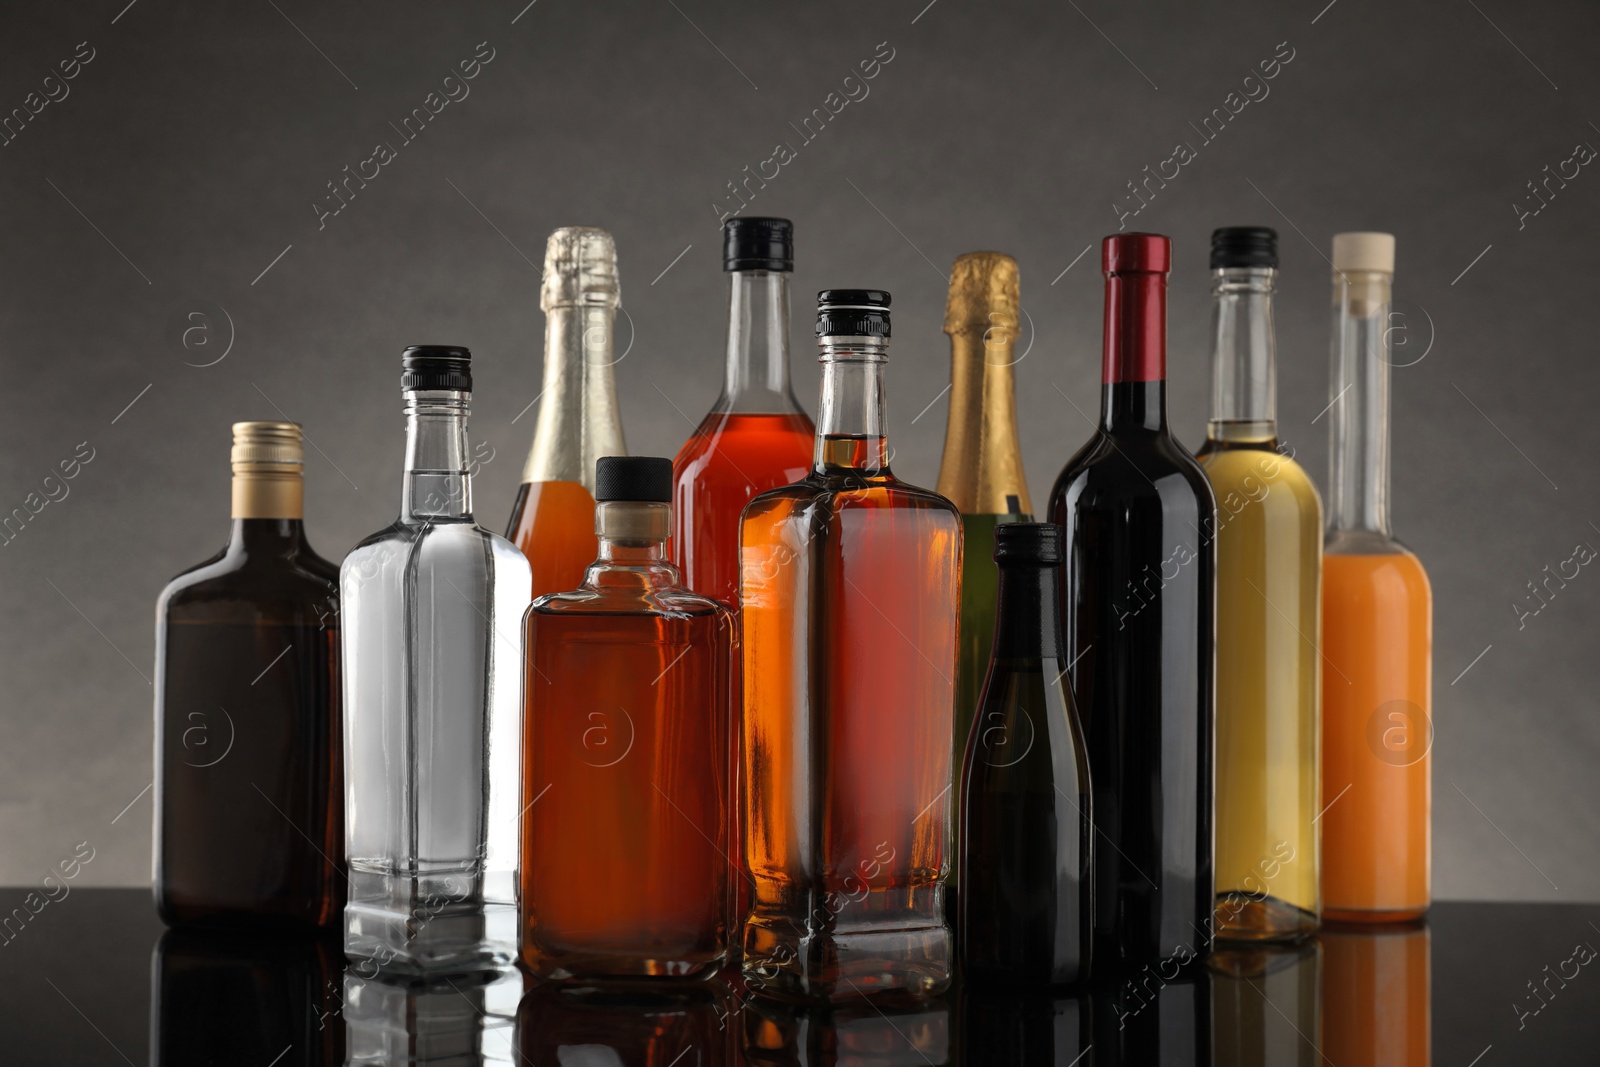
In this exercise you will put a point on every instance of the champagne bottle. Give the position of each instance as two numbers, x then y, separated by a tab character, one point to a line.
553	519
982	468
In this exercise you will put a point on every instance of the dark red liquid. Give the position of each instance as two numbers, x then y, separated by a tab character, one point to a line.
727	461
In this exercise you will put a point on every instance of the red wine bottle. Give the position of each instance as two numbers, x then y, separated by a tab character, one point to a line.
1138	612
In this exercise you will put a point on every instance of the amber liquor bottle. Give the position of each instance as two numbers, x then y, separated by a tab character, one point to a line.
249	814
849	583
626	806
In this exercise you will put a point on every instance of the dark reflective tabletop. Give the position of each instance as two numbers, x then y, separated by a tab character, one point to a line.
93	978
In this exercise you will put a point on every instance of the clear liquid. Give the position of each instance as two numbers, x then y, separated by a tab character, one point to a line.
432	685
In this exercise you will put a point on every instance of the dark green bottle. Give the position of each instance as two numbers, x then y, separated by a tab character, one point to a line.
1025	907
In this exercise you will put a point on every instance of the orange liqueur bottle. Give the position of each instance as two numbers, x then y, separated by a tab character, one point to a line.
553	520
1377	626
626	805
756	436
850	584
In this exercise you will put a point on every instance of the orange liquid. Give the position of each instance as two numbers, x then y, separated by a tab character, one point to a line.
850	589
625	868
1377	637
728	460
1376	996
553	524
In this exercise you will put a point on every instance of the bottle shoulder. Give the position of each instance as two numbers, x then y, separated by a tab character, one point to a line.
1144	466
258	587
671	603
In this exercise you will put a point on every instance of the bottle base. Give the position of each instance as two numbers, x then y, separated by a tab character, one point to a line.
912	961
612	967
410	925
1242	917
1374	917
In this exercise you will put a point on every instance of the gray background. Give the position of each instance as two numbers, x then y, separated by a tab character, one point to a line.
191	149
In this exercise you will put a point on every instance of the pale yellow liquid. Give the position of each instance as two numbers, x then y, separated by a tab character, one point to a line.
1269	575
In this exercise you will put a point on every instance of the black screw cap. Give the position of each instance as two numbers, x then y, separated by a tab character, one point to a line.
436	367
852	313
645	479
758	243
1244	246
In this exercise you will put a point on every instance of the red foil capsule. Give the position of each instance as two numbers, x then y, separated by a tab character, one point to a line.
1136	266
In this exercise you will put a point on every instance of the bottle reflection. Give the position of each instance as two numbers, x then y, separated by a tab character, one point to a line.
1017	1027
460	1021
229	997
1265	1006
585	1026
1377	994
899	1033
1158	1015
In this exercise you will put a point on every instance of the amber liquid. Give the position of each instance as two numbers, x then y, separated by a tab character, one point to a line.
553	524
850	585
625	827
730	459
249	769
1377	635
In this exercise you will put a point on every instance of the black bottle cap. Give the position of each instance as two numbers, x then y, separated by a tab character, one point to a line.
852	313
758	244
1244	246
437	367
1029	542
647	479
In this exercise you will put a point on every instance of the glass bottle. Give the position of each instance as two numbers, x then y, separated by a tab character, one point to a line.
553	518
849	586
756	436
1268	538
981	472
248	803
1026	913
1138	611
625	849
1377	626
433	703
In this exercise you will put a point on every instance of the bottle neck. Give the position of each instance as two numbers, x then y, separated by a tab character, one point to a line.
578	416
1027	624
981	471
1244	389
851	423
277	537
1134	364
1359	427
438	485
633	547
757	375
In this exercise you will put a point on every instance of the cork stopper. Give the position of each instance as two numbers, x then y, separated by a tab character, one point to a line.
580	268
268	461
984	293
1363	252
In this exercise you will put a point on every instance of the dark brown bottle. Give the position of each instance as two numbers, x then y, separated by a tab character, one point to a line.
249	812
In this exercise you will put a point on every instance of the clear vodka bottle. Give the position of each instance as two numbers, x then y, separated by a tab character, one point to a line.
432	689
